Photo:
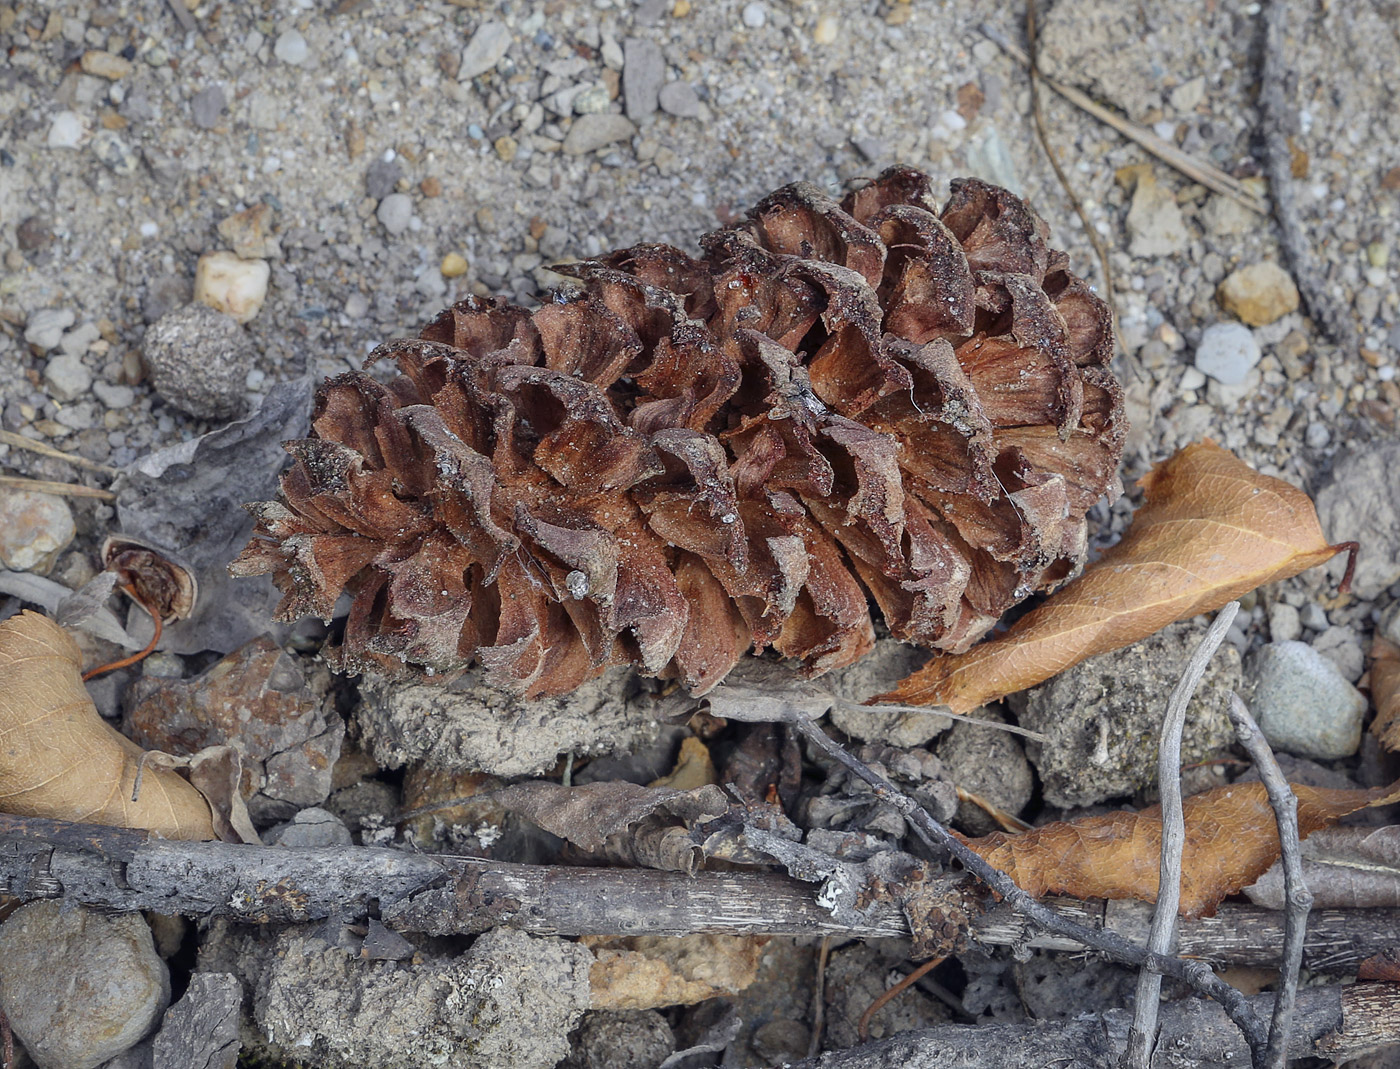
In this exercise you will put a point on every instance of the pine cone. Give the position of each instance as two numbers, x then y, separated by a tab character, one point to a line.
692	458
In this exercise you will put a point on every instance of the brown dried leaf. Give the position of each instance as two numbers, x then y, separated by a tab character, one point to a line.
641	972
1231	838
59	759
1345	868
1382	966
1211	529
1385	691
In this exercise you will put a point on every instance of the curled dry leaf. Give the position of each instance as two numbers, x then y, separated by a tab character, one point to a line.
1231	838
59	759
1211	529
1345	868
1385	691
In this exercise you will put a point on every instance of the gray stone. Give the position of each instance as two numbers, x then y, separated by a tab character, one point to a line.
1390	624
1227	352
111	148
67	130
1154	221
680	99
1102	719
34	529
395	212
201	1030
199	361
311	827
1313	616
1362	504
164	295
44	329
591	100
754	15
207	106
590	132
78	986
1303	704
382	177
622	1039
487	47
290	48
78	340
1284	625
66	377
990	764
643	71
878	671
1342	647
114	395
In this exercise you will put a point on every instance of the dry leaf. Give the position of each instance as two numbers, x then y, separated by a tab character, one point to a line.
1345	868
694	768
1385	691
59	759
1382	966
641	972
1231	839
1211	529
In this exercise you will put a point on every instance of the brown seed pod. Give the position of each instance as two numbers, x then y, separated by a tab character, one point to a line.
162	584
875	399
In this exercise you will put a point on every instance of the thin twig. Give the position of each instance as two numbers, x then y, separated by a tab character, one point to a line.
140	655
1197	170
981	722
45	486
1278	165
881	1000
1162	939
1100	250
1197	974
19	441
1298	897
1008	822
814	1045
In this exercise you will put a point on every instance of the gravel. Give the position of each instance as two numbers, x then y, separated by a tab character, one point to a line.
1303	704
1227	353
643	71
395	212
207	107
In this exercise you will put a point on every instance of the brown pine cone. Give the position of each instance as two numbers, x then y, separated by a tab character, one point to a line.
695	457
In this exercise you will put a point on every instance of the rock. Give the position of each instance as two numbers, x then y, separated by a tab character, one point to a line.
1313	616
382	177
1303	703
290	48
591	132
872	149
989	158
1342	647
592	100
116	155
164	295
105	65
77	341
66	378
506	147
754	15
34	529
990	764
199	361
248	232
621	1039
1154	221
1227	352
1258	294
487	48
1225	217
207	106
311	827
78	986
1362	503
1188	94
1102	718
826	30
230	284
878	671
44	329
67	130
33	234
643	71
454	265
1390	624
680	99
113	395
395	212
1284	625
202	1028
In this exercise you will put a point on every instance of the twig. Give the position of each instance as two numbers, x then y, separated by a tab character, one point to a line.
1008	822
1163	936
814	1044
1195	973
19	441
981	722
44	486
881	1000
1033	68
1197	170
1278	164
1297	897
140	655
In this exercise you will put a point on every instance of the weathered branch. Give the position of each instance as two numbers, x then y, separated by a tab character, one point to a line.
115	868
1339	1023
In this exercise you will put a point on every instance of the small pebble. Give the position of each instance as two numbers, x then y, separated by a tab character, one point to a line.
357	306
1304	705
112	149
1313	616
44	329
824	33
247	232
395	212
1341	646
114	396
382	177
105	65
1258	294
590	132
232	285
454	265
33	233
67	130
34	529
199	359
487	47
1227	352
311	827
290	48
643	71
1317	435
207	106
430	186
680	99
506	147
1284	625
754	15
67	378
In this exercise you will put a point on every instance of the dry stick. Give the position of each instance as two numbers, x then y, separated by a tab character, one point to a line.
1298	898
44	486
19	441
1163	936
1197	974
1033	67
863	1028
1198	170
814	1045
140	655
1278	165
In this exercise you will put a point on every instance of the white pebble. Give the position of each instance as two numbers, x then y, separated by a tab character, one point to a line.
754	15
232	285
1227	352
148	229
67	130
290	48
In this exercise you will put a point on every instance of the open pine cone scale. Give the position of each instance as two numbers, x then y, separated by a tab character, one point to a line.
694	458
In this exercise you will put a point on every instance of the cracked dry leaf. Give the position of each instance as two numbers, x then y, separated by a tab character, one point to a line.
1385	691
59	759
1231	839
1211	528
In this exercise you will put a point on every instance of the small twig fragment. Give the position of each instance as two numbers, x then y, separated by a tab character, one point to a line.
892	992
19	441
46	486
139	655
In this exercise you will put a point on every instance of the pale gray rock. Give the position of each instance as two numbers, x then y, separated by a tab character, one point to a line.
643	71
312	826
201	1030
199	360
395	212
1362	504
1155	225
78	986
66	378
207	106
590	132
1342	647
680	99
1227	352
44	329
486	48
290	48
990	764
1303	704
